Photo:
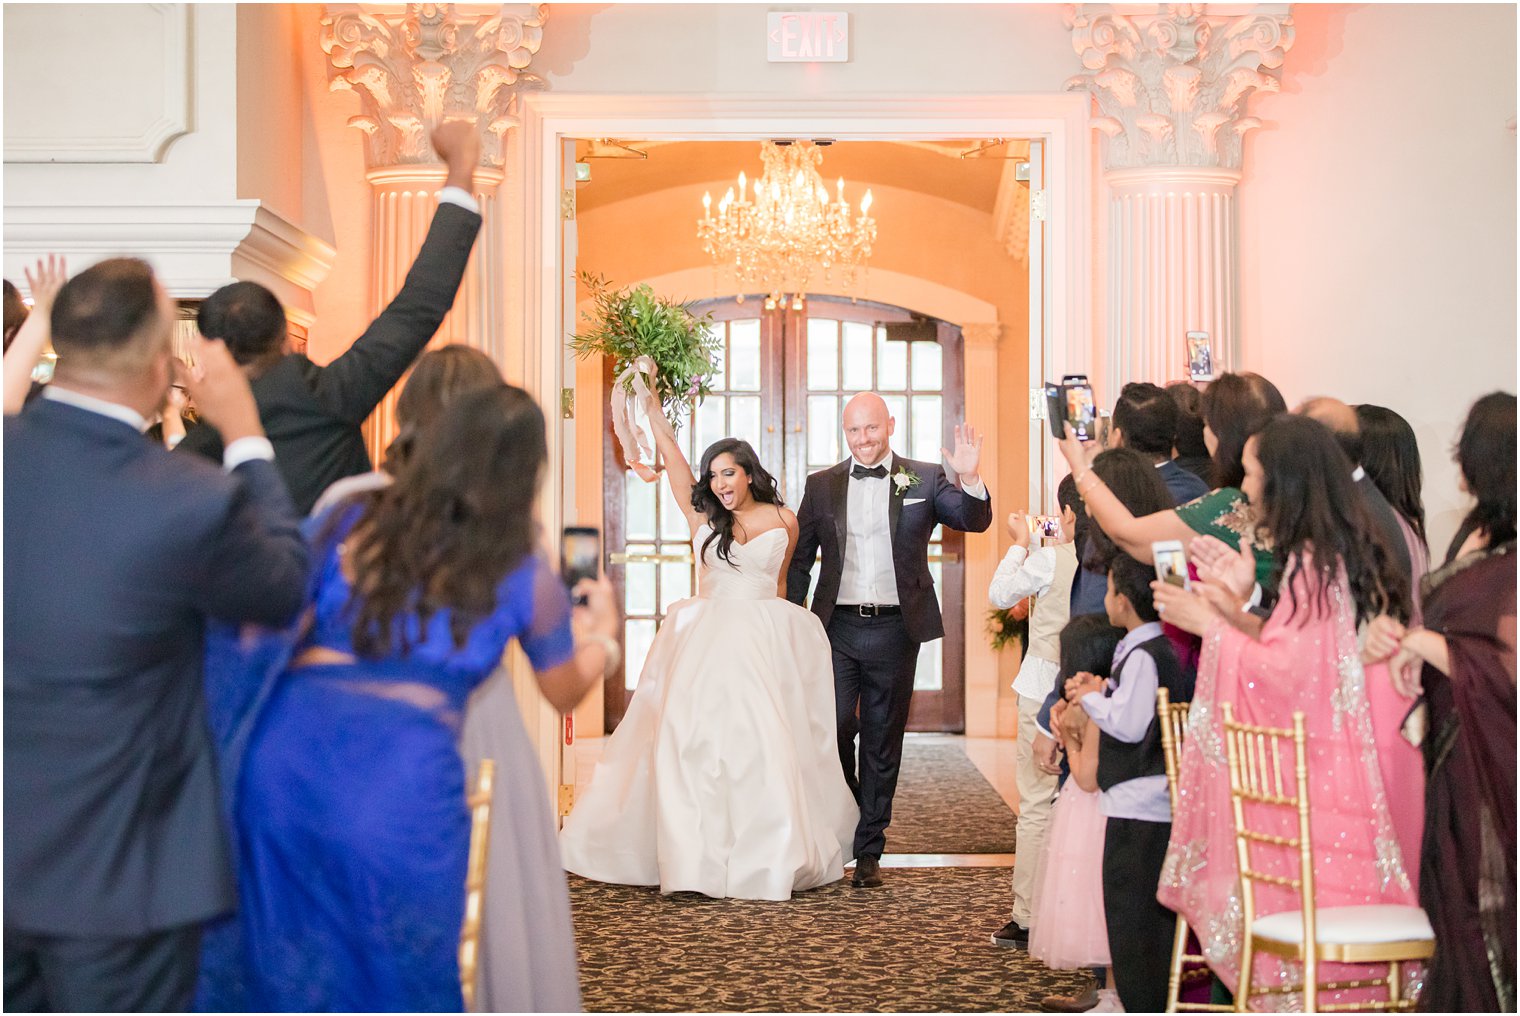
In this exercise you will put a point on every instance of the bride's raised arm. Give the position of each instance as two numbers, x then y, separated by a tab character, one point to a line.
677	469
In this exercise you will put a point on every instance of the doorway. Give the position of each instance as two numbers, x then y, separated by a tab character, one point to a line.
782	379
539	257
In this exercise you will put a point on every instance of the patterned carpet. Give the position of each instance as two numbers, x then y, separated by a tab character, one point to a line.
919	944
945	806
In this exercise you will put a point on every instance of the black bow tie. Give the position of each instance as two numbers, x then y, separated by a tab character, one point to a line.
874	472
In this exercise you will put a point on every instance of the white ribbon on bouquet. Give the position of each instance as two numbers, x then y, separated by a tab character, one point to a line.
625	424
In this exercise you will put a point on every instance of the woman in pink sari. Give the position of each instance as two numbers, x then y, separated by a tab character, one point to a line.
1303	659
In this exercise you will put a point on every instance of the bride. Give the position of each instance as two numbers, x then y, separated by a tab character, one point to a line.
724	776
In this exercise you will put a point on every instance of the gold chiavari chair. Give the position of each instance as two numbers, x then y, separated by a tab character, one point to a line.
1374	934
475	879
1173	720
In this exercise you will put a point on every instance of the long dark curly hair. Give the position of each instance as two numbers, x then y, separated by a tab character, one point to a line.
1391	456
1133	479
1310	504
762	487
456	522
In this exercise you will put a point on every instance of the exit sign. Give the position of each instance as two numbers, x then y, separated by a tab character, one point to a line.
808	37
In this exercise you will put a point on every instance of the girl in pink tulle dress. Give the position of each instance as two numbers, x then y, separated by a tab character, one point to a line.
1069	932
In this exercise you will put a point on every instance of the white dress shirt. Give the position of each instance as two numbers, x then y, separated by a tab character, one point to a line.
461	197
869	574
244	449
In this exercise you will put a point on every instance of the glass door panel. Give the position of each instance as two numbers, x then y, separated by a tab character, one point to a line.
783	379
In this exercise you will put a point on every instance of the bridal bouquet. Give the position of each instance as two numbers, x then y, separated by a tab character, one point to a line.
656	346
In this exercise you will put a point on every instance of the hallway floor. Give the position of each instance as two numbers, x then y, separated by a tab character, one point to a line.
920	943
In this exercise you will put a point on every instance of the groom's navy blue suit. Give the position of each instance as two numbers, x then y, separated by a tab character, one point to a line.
876	655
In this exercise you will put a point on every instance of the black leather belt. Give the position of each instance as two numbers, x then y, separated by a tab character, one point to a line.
870	609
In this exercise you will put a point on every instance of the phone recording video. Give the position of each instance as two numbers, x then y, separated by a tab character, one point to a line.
1048	526
580	556
1081	410
1200	357
1171	563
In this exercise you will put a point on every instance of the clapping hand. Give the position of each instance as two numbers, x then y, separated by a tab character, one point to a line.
1081	683
1218	565
221	391
965	461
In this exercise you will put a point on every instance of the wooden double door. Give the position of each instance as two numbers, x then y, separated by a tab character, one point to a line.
784	377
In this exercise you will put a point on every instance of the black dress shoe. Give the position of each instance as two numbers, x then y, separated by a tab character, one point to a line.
867	873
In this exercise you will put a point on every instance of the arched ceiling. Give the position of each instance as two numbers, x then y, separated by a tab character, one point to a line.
931	167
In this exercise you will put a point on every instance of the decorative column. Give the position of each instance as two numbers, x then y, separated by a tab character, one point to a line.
979	345
1171	90
414	69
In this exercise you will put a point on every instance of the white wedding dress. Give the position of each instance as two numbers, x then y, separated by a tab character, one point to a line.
724	776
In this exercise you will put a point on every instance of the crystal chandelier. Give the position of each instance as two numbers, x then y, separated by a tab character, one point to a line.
777	234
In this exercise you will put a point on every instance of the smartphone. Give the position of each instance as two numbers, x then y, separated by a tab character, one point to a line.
1055	410
1105	421
1048	526
1171	563
1081	410
1200	357
580	556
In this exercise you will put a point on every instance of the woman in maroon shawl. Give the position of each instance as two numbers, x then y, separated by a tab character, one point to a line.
1464	659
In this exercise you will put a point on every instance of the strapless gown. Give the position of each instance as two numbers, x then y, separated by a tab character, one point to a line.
723	777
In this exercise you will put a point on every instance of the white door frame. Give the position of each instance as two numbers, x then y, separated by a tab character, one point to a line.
534	333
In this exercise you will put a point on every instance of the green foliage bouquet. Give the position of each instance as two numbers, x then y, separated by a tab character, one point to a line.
1008	626
630	324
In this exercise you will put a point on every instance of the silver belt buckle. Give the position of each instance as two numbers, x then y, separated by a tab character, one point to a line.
869	610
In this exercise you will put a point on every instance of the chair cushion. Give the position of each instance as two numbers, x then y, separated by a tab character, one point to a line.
1348	925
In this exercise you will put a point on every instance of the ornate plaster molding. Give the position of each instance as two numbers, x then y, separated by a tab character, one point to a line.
1171	87
415	69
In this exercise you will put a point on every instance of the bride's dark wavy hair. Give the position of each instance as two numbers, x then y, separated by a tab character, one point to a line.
456	522
1311	504
762	487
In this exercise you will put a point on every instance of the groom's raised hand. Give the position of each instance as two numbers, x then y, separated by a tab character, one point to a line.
966	459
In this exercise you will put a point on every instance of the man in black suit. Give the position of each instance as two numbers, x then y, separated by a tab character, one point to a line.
313	414
116	552
873	515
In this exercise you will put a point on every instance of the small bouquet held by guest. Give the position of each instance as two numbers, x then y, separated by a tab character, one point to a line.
656	347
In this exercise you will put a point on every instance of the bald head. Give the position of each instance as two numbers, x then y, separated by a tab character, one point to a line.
868	428
1340	419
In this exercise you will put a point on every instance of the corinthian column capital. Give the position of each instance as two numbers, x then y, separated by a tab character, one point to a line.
1171	86
423	64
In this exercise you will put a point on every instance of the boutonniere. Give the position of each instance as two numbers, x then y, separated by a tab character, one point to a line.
904	480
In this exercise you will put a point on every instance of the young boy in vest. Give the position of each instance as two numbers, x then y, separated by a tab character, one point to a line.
1132	777
1046	574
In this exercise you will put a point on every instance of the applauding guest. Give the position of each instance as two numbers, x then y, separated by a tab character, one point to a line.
1304	659
313	414
116	553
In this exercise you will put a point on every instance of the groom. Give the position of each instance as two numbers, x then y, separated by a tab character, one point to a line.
873	515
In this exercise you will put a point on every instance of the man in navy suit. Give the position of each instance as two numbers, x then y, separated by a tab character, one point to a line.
873	516
116	552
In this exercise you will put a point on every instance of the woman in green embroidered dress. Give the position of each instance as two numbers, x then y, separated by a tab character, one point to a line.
1235	406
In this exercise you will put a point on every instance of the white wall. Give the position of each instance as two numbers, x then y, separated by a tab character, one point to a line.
1377	220
896	49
